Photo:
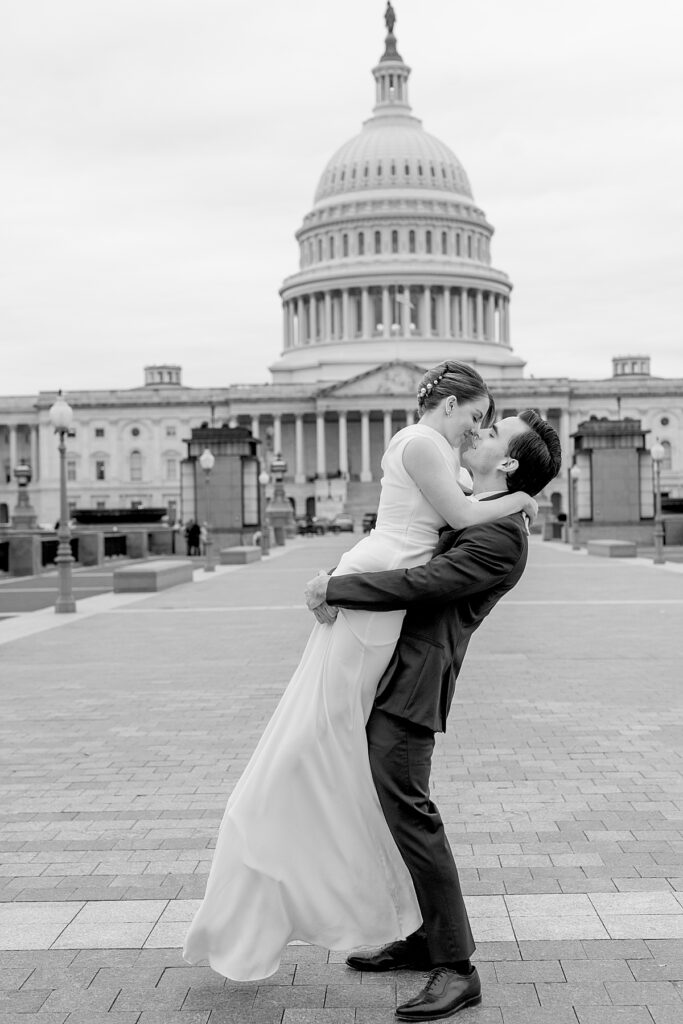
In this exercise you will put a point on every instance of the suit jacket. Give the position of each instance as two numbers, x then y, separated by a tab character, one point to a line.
446	600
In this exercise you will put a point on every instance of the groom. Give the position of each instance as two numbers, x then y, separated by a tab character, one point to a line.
446	600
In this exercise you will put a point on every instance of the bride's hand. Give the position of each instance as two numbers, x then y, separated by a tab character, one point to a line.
529	506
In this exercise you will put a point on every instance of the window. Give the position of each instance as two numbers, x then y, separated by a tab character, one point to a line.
320	249
170	431
171	469
345	245
469	246
444	243
361	243
99	431
428	241
100	505
411	241
99	469
135	432
457	244
136	465
331	247
394	241
378	242
71	470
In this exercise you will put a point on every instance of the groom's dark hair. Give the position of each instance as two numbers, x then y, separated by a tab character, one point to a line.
538	453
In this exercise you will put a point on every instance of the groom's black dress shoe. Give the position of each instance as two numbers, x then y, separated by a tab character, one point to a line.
445	993
403	955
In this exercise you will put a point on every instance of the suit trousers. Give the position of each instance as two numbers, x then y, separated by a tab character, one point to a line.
401	761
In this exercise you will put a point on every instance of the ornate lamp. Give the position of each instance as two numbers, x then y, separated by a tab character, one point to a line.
264	480
61	418
207	461
657	454
574	475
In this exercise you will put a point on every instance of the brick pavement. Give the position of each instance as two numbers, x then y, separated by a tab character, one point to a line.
559	780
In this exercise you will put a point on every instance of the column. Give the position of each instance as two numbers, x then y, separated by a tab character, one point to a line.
464	312
299	468
427	312
255	426
12	447
343	446
446	313
507	321
345	332
313	300
285	326
277	433
320	462
366	328
293	340
491	318
405	312
386	312
365	474
388	427
327	334
35	447
302	322
410	417
480	314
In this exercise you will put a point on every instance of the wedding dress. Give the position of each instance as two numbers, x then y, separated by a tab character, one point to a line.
304	852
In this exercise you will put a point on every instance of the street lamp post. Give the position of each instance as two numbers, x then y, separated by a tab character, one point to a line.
280	509
264	480
574	474
61	417
207	462
657	454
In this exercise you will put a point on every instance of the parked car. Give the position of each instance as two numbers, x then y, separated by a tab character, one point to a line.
312	526
342	523
369	521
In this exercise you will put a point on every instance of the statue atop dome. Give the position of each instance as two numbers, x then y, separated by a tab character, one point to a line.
390	51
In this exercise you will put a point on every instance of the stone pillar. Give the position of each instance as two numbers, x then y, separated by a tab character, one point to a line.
386	312
366	330
301	319
465	312
327	335
345	332
365	474
405	312
480	314
427	311
320	461
277	433
388	427
293	340
35	449
12	447
446	313
343	445
255	427
507	321
299	468
314	317
491	318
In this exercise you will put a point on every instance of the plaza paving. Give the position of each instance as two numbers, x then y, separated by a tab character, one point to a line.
560	779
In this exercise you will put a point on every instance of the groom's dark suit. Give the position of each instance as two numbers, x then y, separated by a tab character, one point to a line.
446	600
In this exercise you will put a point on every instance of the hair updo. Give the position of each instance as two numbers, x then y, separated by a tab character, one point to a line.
457	379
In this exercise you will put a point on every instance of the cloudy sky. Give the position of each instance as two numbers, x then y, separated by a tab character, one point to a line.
156	157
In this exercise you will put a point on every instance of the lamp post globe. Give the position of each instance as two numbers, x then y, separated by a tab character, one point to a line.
574	475
264	480
61	418
207	461
657	454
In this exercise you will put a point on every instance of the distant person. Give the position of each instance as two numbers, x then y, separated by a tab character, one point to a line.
193	534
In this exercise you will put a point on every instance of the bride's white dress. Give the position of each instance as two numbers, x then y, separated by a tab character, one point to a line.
304	852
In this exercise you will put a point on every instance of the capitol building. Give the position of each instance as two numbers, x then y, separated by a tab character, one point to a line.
396	273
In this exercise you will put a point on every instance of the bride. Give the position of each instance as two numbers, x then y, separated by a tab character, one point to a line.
304	852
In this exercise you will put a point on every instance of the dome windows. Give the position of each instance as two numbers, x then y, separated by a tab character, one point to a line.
361	243
444	243
428	242
411	241
378	242
345	245
379	170
320	250
394	241
331	246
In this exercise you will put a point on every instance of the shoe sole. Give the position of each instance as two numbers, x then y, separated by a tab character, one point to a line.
474	1001
393	967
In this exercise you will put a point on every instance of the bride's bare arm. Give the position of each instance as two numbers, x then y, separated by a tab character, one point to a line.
425	465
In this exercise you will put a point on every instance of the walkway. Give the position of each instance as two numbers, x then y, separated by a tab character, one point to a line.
125	726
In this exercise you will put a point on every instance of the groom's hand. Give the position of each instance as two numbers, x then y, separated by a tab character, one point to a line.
325	613
315	590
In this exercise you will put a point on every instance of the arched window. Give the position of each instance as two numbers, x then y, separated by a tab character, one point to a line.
444	243
411	241
394	241
428	241
378	242
331	247
345	245
361	243
135	462
320	248
469	247
457	244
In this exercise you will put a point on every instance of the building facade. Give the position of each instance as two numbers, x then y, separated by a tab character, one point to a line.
395	276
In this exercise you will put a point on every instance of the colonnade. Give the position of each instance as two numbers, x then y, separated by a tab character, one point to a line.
10	456
342	314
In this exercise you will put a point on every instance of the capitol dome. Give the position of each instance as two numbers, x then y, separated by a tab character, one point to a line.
395	255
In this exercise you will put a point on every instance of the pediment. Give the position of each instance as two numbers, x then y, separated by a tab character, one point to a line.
396	378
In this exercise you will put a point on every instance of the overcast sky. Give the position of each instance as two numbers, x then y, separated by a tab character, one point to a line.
157	157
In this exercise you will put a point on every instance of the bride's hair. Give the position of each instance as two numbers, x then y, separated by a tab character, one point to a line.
453	378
